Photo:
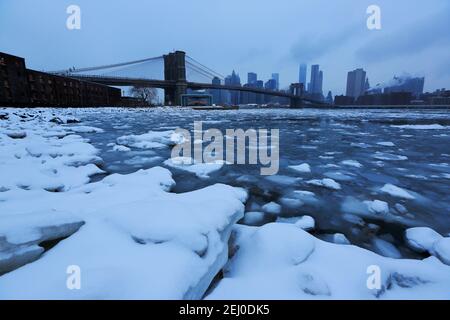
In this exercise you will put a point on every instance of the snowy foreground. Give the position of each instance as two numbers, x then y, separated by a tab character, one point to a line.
132	238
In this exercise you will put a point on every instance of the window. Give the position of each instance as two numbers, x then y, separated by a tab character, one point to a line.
2	62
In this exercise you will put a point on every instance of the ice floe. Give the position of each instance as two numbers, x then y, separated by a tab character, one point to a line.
421	239
325	183
272	208
396	192
352	163
201	170
302	168
421	126
151	140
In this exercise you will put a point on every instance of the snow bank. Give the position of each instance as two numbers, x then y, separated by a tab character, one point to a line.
130	236
46	156
281	261
142	243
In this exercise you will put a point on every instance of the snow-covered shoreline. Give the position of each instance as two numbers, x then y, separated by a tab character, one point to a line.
135	239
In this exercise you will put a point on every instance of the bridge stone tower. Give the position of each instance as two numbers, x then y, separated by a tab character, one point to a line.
175	71
297	90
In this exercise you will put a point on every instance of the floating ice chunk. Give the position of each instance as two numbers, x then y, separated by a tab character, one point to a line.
401	209
441	249
272	208
396	192
386	249
283	180
121	148
85	129
291	202
339	176
303	168
139	160
326	183
64	119
352	163
389	156
421	239
306	223
377	206
253	218
201	170
150	140
353	219
386	144
360	145
421	126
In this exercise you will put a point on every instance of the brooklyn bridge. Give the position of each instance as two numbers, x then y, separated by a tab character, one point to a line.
175	73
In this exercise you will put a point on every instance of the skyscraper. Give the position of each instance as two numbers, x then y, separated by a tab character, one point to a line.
233	80
315	85
276	77
302	74
356	83
252	78
216	93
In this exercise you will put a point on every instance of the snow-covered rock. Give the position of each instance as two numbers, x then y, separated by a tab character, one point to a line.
325	183
281	261
421	239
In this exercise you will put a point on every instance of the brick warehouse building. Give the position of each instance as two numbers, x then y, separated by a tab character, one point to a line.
20	86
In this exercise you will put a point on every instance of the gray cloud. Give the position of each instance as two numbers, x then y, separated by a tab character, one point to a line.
310	46
416	38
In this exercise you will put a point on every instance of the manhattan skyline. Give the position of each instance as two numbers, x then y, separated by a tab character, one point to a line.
412	40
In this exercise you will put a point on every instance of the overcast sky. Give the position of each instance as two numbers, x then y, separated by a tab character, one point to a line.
245	35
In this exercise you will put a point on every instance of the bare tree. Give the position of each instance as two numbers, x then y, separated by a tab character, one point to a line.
146	94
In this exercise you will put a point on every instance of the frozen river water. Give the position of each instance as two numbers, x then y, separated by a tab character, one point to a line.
362	150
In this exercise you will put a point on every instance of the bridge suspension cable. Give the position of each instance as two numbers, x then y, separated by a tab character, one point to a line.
198	70
192	61
110	66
